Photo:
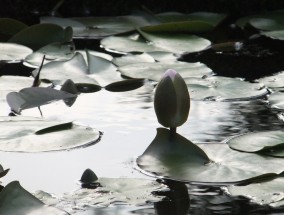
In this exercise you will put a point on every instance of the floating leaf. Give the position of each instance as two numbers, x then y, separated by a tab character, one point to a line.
52	52
266	24
178	43
13	83
125	85
213	18
184	26
13	52
278	35
70	87
35	97
126	190
58	72
154	71
39	35
276	100
274	81
174	157
9	27
27	134
132	59
224	89
265	193
268	143
3	171
14	199
98	27
102	70
88	88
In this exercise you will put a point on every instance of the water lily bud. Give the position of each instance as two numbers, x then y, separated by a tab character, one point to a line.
172	101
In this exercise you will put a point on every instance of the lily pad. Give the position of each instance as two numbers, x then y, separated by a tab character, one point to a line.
52	52
213	18
13	52
278	35
35	97
265	193
266	24
274	81
112	190
13	83
58	72
28	134
276	100
9	27
172	156
14	199
39	35
268	143
132	59
224	89
98	27
154	71
177	43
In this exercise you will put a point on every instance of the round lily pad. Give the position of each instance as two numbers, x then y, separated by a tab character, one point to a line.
177	43
154	71
265	193
27	134
268	142
276	100
224	89
278	35
274	81
174	157
13	52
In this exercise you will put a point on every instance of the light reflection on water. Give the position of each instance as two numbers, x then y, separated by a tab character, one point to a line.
129	125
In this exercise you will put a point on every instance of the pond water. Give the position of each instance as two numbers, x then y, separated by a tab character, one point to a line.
128	123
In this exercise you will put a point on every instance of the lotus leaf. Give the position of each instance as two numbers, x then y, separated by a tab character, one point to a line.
39	35
13	52
268	143
28	134
14	199
265	193
174	157
177	43
35	97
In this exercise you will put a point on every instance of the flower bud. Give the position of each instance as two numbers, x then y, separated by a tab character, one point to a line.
172	101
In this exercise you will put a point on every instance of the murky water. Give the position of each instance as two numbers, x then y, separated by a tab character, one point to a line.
128	123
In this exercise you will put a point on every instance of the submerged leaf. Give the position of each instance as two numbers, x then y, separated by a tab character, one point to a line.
14	199
173	157
27	134
9	27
